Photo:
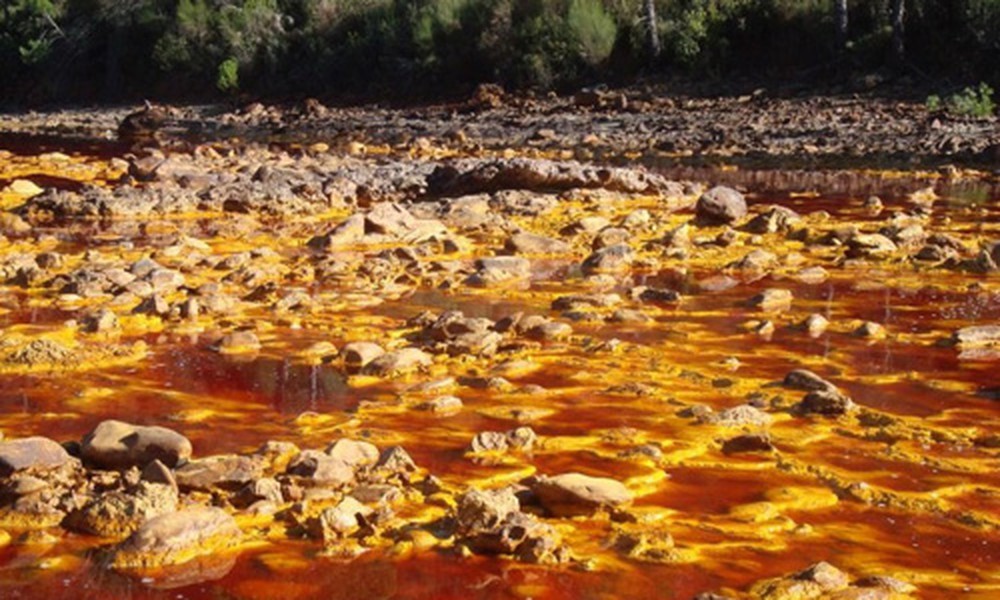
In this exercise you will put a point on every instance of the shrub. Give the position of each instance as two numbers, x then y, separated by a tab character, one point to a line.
971	102
228	79
593	29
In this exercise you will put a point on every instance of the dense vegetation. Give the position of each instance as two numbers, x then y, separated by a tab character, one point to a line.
113	49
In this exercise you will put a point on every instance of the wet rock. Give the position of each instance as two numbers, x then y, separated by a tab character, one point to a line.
443	405
119	513
609	259
777	218
756	261
807	381
534	244
486	176
101	321
481	511
871	330
721	205
873	246
743	415
489	441
496	270
396	460
649	295
157	472
337	522
321	469
749	442
572	494
610	236
353	453
819	580
357	355
177	537
119	445
349	232
977	335
825	402
772	300
404	359
812	275
228	471
238	342
815	325
32	453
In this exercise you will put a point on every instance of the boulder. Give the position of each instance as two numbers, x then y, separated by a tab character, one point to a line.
32	453
119	513
119	445
404	359
618	257
571	494
177	537
353	453
531	243
321	469
721	205
227	471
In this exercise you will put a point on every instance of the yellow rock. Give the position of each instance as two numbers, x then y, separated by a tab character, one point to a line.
25	187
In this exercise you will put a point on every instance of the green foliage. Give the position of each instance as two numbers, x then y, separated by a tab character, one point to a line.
970	102
228	79
110	48
593	29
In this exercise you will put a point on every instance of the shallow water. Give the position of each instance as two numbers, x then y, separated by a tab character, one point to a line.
684	356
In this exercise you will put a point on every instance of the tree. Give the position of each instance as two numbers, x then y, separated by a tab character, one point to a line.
896	19
652	28
840	19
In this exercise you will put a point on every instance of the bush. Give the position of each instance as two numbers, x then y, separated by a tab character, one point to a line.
593	29
228	79
970	102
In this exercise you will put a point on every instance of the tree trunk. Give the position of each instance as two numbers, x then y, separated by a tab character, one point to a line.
652	29
897	17
840	19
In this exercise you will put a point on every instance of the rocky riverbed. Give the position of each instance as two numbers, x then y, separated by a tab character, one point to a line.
449	365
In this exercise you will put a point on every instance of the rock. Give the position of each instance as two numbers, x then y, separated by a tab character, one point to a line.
321	469
815	325
825	402
721	205
157	472
357	355
484	510
658	296
396	460
228	471
777	218
350	231
812	275
572	494
337	522
756	261
807	381
874	245
610	236
821	580
238	342
443	405
102	321
534	244
871	330
749	442
618	257
177	537
743	415
772	300
489	441
353	453
119	445
32	453
119	513
404	359
977	335
475	176
500	269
